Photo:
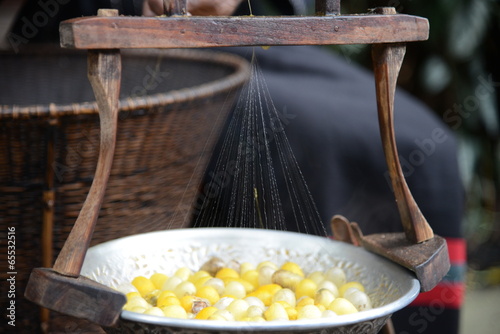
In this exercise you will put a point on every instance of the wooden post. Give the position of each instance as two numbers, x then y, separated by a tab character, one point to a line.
175	7
48	211
327	7
127	32
62	287
104	72
387	61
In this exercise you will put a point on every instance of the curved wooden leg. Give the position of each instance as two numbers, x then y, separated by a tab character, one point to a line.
104	75
62	289
388	328
387	60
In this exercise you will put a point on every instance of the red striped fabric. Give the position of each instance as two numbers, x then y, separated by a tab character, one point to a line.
444	296
456	250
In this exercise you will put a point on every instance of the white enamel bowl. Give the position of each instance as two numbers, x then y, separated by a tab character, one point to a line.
113	263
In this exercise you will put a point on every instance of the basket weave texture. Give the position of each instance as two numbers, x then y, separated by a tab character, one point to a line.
173	105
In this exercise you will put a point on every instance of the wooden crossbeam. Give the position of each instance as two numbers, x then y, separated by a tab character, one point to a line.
124	32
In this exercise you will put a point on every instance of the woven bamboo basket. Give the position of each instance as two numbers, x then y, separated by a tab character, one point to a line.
172	107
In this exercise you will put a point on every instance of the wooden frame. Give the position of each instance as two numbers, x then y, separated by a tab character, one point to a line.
200	32
105	34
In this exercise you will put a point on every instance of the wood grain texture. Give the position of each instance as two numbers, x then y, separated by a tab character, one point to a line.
104	72
342	231
428	260
79	297
195	32
387	60
62	289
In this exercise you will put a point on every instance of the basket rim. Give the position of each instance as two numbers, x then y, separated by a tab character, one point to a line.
240	74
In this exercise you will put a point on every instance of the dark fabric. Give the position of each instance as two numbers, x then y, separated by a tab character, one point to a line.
259	7
431	319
